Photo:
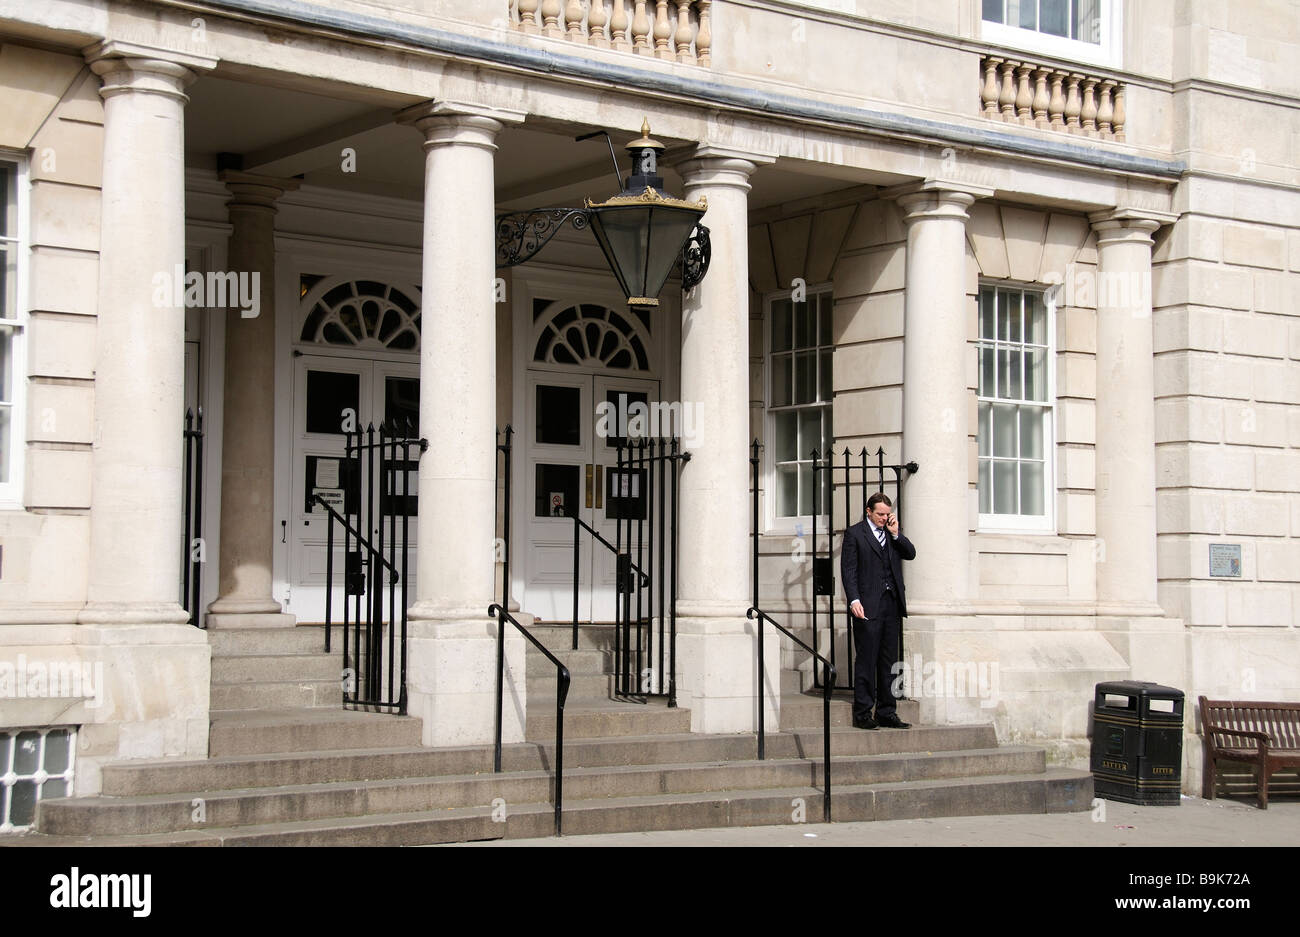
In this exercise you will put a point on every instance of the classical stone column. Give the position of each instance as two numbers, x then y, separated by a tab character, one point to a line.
716	652
937	513
452	644
135	519
248	420
1126	476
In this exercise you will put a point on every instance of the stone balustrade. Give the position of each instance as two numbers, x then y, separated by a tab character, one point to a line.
672	30
1019	92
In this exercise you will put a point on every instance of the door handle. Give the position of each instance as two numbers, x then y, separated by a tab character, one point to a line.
600	486
589	474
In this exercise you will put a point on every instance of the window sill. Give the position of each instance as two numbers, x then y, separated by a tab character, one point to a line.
1106	53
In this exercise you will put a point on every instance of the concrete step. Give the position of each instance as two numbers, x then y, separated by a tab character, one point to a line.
1049	792
290	803
276	695
581	661
225	771
804	710
607	719
582	688
280	668
299	640
308	730
559	636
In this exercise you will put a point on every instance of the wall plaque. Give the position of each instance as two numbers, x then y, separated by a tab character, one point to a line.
1225	560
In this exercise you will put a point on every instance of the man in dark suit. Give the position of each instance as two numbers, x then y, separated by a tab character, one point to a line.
871	567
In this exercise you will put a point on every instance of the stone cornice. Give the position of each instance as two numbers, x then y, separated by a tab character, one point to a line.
706	91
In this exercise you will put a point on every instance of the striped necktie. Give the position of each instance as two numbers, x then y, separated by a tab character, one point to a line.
880	535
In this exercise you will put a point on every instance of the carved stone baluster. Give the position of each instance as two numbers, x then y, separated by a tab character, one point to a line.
596	20
528	16
1105	111
704	36
663	31
1024	96
1056	105
1089	112
618	27
1007	97
1040	98
573	17
1120	116
989	90
684	35
551	18
1073	107
641	30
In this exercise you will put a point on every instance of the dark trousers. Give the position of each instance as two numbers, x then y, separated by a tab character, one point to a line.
875	642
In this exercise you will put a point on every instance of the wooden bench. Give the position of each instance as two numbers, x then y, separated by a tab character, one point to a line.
1266	735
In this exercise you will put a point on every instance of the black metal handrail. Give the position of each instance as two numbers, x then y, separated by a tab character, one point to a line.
578	525
192	559
828	684
561	694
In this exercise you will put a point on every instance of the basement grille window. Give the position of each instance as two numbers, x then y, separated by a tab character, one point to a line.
35	765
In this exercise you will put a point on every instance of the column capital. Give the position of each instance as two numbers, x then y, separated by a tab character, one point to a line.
712	165
448	123
133	66
935	198
252	192
1128	224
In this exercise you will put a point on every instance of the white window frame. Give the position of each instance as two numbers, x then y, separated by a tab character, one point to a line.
1109	52
1029	523
11	492
774	523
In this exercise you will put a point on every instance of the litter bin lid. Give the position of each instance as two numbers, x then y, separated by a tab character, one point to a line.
1140	688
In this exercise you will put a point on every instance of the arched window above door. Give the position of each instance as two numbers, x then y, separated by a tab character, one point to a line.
589	335
359	314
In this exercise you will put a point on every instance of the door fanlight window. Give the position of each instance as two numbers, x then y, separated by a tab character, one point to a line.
362	314
590	335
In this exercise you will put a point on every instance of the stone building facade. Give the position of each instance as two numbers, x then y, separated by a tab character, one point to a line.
1048	251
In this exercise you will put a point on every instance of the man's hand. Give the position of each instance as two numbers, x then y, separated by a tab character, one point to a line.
856	608
891	525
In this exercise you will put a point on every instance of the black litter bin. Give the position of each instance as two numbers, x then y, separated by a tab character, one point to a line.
1137	742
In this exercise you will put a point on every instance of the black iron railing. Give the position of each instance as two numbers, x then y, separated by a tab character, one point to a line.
641	499
376	572
579	525
191	541
561	694
828	683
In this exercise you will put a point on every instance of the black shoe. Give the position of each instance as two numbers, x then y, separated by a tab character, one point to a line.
866	722
893	722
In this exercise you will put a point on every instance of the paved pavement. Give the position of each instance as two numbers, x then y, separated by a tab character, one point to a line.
1194	822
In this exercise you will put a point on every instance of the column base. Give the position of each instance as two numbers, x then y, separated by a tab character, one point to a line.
451	681
718	679
1033	676
131	691
133	613
217	621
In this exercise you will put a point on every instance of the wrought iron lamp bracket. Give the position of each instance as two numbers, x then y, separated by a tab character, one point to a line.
696	253
522	234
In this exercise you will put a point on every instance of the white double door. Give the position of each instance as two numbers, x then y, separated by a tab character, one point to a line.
571	448
332	395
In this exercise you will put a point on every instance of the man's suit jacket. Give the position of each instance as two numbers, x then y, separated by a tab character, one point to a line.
862	567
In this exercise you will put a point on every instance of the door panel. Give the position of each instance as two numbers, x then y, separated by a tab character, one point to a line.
332	395
572	450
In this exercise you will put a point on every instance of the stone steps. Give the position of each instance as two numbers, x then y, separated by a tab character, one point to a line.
1047	792
161	813
307	730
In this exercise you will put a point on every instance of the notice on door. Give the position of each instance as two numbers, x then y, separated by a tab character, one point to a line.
331	496
327	473
557	504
